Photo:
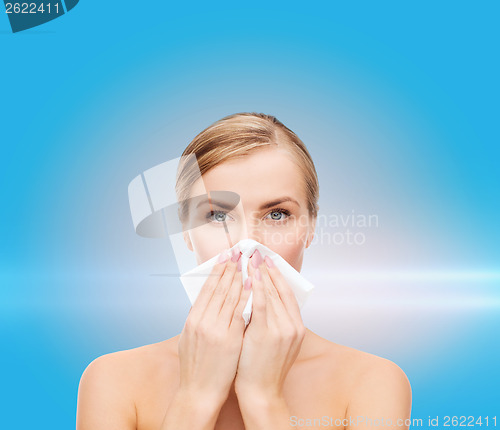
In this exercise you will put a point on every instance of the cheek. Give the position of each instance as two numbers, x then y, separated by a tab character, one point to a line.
292	253
289	243
207	242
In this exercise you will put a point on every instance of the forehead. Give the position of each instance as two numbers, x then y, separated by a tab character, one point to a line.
260	176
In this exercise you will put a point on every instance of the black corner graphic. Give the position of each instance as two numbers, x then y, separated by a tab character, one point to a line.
70	4
26	15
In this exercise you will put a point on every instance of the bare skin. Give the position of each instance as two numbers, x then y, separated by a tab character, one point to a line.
271	375
131	389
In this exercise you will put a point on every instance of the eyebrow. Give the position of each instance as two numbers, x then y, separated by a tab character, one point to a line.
267	205
224	205
278	201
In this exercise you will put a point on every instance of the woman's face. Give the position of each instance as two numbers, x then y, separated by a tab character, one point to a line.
272	207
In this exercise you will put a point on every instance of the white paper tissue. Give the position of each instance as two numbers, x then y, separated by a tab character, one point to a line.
194	279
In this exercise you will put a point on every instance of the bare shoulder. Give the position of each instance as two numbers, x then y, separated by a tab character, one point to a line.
110	384
378	390
124	365
378	376
363	366
362	374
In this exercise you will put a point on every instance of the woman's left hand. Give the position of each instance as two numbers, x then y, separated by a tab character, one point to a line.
273	337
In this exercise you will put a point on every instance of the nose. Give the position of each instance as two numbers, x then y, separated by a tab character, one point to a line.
248	230
253	233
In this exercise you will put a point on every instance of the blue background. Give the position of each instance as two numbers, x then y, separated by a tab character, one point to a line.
398	104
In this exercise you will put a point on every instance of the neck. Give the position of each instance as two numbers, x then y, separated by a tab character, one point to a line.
310	347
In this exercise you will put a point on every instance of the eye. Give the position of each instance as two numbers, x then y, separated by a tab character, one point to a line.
217	216
278	214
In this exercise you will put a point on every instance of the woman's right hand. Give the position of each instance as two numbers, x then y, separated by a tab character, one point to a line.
211	341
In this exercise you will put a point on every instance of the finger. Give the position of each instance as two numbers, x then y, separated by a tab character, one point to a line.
276	311
214	306
232	297
269	287
278	318
284	290
237	322
259	305
257	262
209	286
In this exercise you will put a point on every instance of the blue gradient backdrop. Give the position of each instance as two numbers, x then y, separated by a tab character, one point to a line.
398	104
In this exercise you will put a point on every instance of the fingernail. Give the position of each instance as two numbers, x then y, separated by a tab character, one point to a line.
257	275
248	283
238	266
223	256
256	259
236	255
268	261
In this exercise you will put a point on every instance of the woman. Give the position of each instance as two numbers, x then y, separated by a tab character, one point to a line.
275	373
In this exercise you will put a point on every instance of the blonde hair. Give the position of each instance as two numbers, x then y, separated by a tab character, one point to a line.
235	136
